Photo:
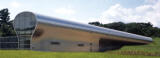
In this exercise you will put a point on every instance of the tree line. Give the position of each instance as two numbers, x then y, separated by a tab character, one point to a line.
145	29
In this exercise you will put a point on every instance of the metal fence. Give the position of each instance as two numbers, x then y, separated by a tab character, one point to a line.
10	42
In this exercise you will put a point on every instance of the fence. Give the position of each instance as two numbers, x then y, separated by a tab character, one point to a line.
10	42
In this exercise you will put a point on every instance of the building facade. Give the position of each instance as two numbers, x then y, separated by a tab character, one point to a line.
42	33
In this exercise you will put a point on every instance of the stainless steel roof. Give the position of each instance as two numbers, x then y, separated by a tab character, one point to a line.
92	28
87	27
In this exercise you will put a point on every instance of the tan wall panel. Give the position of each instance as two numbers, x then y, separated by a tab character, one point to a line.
73	35
64	34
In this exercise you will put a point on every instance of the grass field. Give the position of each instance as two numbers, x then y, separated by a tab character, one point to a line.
152	49
142	51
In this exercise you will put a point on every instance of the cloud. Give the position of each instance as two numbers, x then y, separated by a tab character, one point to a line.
65	11
78	20
142	13
151	1
15	4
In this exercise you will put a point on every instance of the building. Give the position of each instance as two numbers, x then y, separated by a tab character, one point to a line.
42	33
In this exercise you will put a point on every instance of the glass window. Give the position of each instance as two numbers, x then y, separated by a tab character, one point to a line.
90	44
81	45
27	42
55	43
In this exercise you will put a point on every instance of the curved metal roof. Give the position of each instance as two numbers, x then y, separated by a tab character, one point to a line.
87	27
90	28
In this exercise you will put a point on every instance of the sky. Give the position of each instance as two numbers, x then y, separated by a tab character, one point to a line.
84	11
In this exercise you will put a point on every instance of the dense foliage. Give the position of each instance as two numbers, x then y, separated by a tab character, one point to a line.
6	27
145	29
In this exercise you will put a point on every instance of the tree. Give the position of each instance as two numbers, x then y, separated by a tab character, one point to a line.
6	26
116	25
145	29
96	23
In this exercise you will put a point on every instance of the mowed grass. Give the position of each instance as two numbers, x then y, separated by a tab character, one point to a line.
141	51
152	49
36	54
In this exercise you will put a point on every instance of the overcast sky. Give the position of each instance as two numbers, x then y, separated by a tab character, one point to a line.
84	11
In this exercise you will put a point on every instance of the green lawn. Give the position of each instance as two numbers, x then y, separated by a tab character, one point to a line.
142	51
35	54
152	49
